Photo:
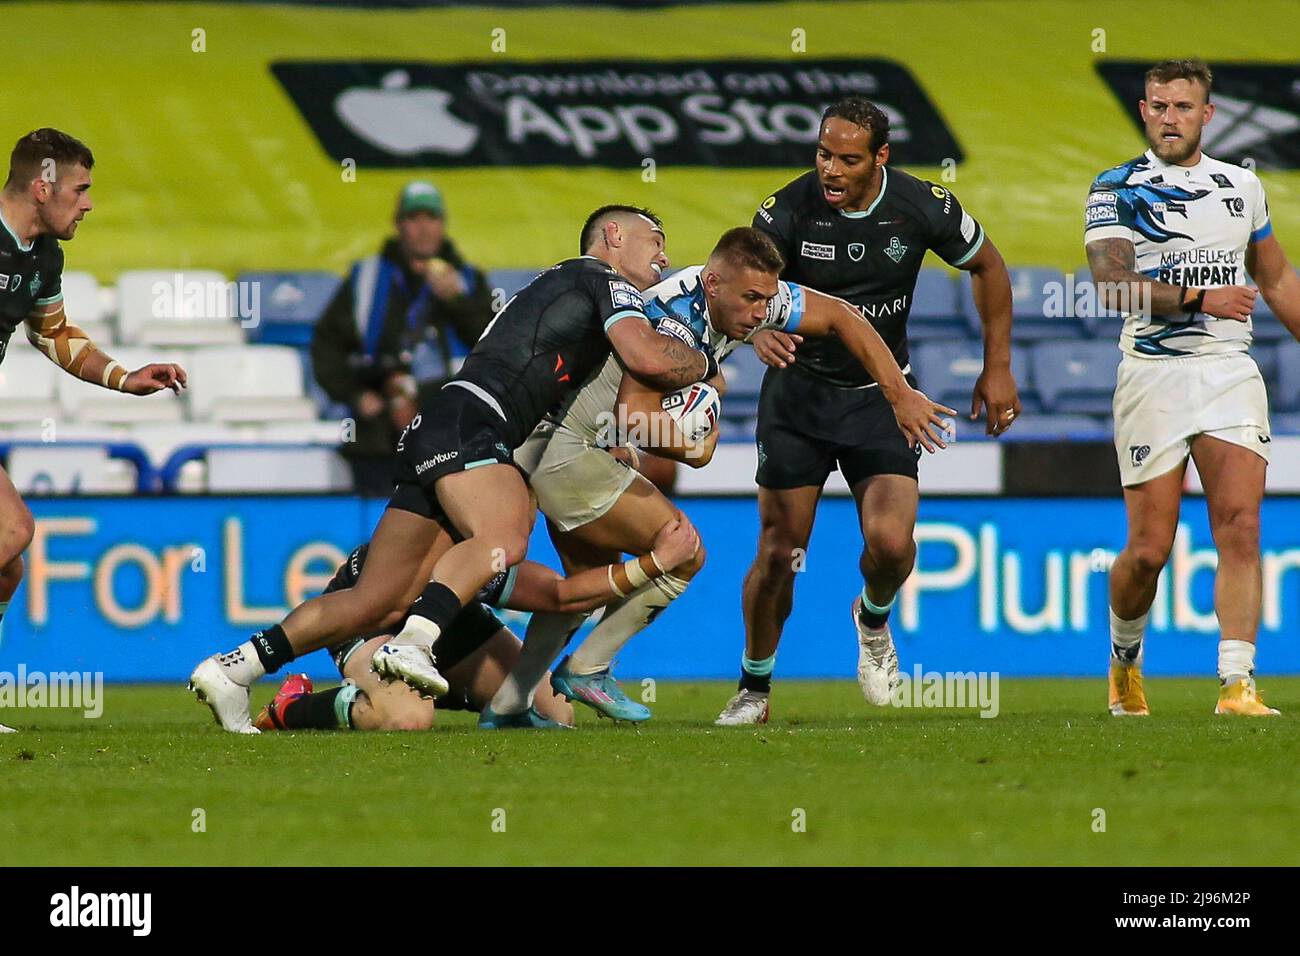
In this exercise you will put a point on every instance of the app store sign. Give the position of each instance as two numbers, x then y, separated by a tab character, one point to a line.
741	113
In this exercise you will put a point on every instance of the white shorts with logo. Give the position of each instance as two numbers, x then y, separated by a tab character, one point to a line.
1162	404
575	482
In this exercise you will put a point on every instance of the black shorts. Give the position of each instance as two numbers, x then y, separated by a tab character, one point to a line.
455	432
807	428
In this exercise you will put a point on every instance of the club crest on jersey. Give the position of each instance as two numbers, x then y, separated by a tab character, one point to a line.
624	295
817	250
4	281
895	250
856	251
34	286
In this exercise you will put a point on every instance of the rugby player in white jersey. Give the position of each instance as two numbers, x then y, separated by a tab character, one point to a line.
1176	234
597	504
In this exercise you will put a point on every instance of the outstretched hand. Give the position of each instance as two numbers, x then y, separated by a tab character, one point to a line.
154	378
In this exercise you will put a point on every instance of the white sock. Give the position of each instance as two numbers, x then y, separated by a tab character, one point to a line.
623	621
242	665
1236	661
1126	637
419	631
546	636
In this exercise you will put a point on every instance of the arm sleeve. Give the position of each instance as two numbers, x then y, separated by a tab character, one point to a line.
785	309
775	218
333	341
1261	227
51	290
954	234
615	298
1108	214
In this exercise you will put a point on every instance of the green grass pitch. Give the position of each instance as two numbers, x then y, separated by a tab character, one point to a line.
875	787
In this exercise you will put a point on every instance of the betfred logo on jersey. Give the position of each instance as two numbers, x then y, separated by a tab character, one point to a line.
677	330
624	295
1102	210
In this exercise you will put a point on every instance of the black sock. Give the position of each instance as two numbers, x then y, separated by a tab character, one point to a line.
761	685
273	648
313	711
438	603
871	620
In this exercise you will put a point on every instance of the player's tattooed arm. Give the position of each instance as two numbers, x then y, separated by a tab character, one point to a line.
660	361
1120	286
72	350
654	430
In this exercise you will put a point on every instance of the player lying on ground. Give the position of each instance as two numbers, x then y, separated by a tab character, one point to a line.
455	460
598	506
857	228
1187	384
45	196
474	654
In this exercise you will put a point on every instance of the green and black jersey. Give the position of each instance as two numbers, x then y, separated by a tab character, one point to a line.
31	277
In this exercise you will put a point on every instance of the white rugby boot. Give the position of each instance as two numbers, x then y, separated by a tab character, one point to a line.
227	698
877	661
746	707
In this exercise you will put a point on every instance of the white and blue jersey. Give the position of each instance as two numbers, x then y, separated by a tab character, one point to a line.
1190	226
676	306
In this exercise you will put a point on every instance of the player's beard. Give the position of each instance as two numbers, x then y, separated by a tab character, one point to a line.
1178	151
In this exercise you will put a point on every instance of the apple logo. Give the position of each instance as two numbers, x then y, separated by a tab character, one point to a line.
405	121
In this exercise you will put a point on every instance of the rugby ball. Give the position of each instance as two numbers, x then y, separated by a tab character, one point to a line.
695	409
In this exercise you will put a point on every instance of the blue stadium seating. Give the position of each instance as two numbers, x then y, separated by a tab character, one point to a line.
1265	325
744	372
1032	291
936	310
1286	388
946	371
291	302
1076	377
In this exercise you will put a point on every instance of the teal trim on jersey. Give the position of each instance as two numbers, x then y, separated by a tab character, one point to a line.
49	300
966	258
621	315
481	462
796	308
17	242
511	577
1263	232
863	213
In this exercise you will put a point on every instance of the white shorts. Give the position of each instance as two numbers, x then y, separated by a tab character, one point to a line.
1162	404
575	482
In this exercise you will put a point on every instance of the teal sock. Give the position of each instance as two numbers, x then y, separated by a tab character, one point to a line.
756	675
874	615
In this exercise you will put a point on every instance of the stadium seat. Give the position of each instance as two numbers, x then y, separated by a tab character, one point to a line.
737	429
179	308
237	470
290	303
84	402
1098	320
255	383
1285	424
947	371
1033	291
508	282
28	386
1076	377
936	310
1266	357
161	440
1286	391
84	306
